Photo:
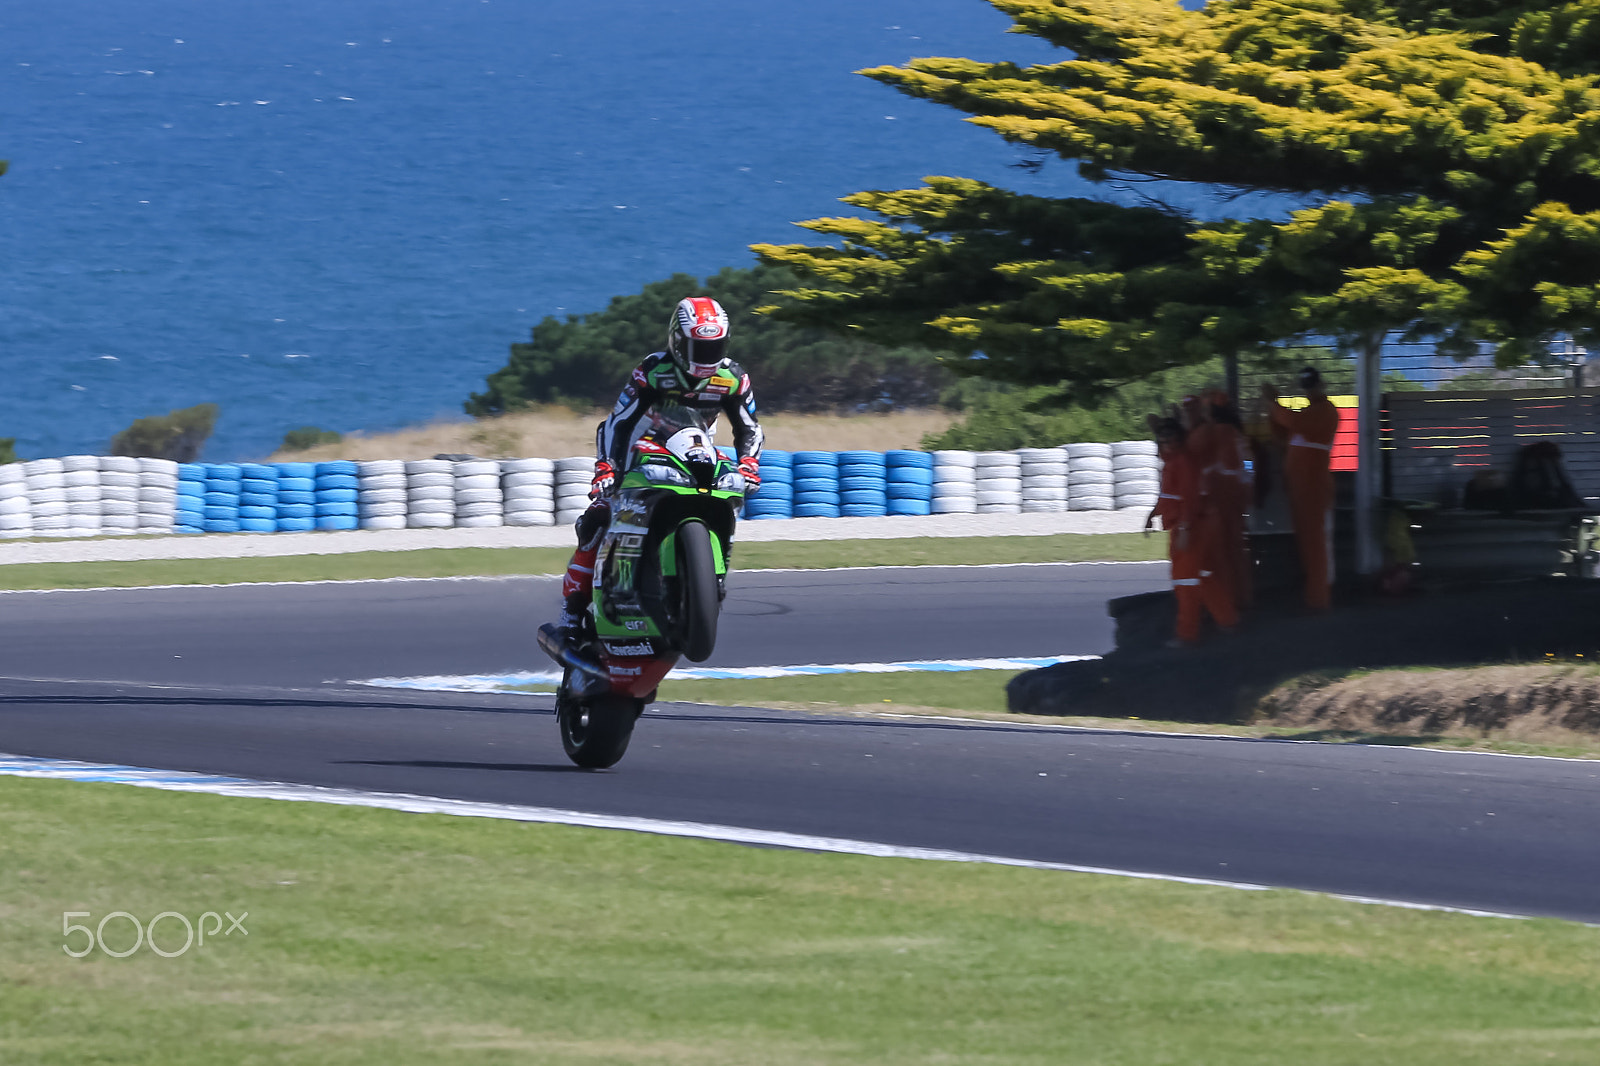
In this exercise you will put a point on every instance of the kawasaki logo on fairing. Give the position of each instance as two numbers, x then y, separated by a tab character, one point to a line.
641	648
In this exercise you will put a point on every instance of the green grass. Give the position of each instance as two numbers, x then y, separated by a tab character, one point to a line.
461	562
388	938
966	691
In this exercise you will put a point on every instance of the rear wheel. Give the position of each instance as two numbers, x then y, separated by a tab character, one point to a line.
595	732
697	598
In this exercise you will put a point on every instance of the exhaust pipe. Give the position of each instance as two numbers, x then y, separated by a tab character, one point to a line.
596	676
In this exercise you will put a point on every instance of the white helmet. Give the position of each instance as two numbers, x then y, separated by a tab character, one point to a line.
697	338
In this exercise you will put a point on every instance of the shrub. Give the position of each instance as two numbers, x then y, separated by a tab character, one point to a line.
177	435
307	437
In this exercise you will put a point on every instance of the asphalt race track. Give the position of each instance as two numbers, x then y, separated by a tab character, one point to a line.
248	681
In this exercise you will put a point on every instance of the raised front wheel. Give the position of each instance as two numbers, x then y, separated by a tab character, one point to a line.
698	600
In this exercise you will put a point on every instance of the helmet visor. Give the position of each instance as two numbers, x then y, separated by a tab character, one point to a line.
702	356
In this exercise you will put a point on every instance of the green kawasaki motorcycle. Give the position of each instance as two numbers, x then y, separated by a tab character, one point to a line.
660	577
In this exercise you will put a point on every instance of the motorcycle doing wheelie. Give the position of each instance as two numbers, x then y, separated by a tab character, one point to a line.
660	576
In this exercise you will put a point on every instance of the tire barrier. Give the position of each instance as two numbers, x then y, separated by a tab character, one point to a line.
480	499
574	474
86	495
815	478
381	494
529	489
998	488
16	513
775	497
955	485
156	500
863	484
430	494
908	482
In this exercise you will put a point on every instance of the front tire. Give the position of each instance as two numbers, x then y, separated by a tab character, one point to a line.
698	599
595	732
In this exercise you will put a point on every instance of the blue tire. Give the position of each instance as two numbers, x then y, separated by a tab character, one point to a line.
338	522
905	458
259	514
222	472
258	525
297	484
259	484
816	510
191	471
189	518
192	487
862	484
863	510
337	481
306	470
296	525
861	458
258	472
336	496
335	510
337	467
911	475
221	499
910	492
221	525
296	511
296	497
258	499
221	514
910	507
828	459
816	484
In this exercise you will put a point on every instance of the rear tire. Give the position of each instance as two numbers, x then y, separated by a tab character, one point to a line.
595	732
698	599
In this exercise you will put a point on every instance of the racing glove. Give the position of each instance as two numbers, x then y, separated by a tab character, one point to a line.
750	467
605	476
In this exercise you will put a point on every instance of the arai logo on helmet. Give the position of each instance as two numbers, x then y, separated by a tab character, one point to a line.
709	331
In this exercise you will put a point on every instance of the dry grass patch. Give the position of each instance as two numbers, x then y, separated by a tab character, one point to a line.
559	431
1552	704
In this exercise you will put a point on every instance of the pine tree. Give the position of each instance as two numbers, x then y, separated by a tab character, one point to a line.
1448	157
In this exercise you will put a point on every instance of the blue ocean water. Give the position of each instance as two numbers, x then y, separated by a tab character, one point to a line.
341	214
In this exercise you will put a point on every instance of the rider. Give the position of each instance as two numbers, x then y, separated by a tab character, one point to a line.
693	372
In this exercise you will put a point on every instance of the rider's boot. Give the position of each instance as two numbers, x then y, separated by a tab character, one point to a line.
576	591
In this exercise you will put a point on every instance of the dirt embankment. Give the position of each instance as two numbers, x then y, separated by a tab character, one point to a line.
1555	703
558	431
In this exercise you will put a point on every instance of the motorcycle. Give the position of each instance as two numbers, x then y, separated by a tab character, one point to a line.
660	578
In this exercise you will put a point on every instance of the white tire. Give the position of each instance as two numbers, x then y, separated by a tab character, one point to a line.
528	479
431	481
80	463
997	461
128	522
156	480
114	494
1030	470
48	508
115	507
958	459
1134	447
1000	508
477	481
83	493
996	498
476	468
1140	487
478	510
14	505
513	506
431	492
118	464
1091	503
429	466
955	505
119	479
1083	463
16	521
1143	503
380	468
1087	451
383	483
1043	494
164	467
1081	478
384	495
953	491
486	521
530	518
383	510
13	474
1043	506
575	462
429	520
478	496
999	484
528	466
1043	481
34	467
384	522
434	507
